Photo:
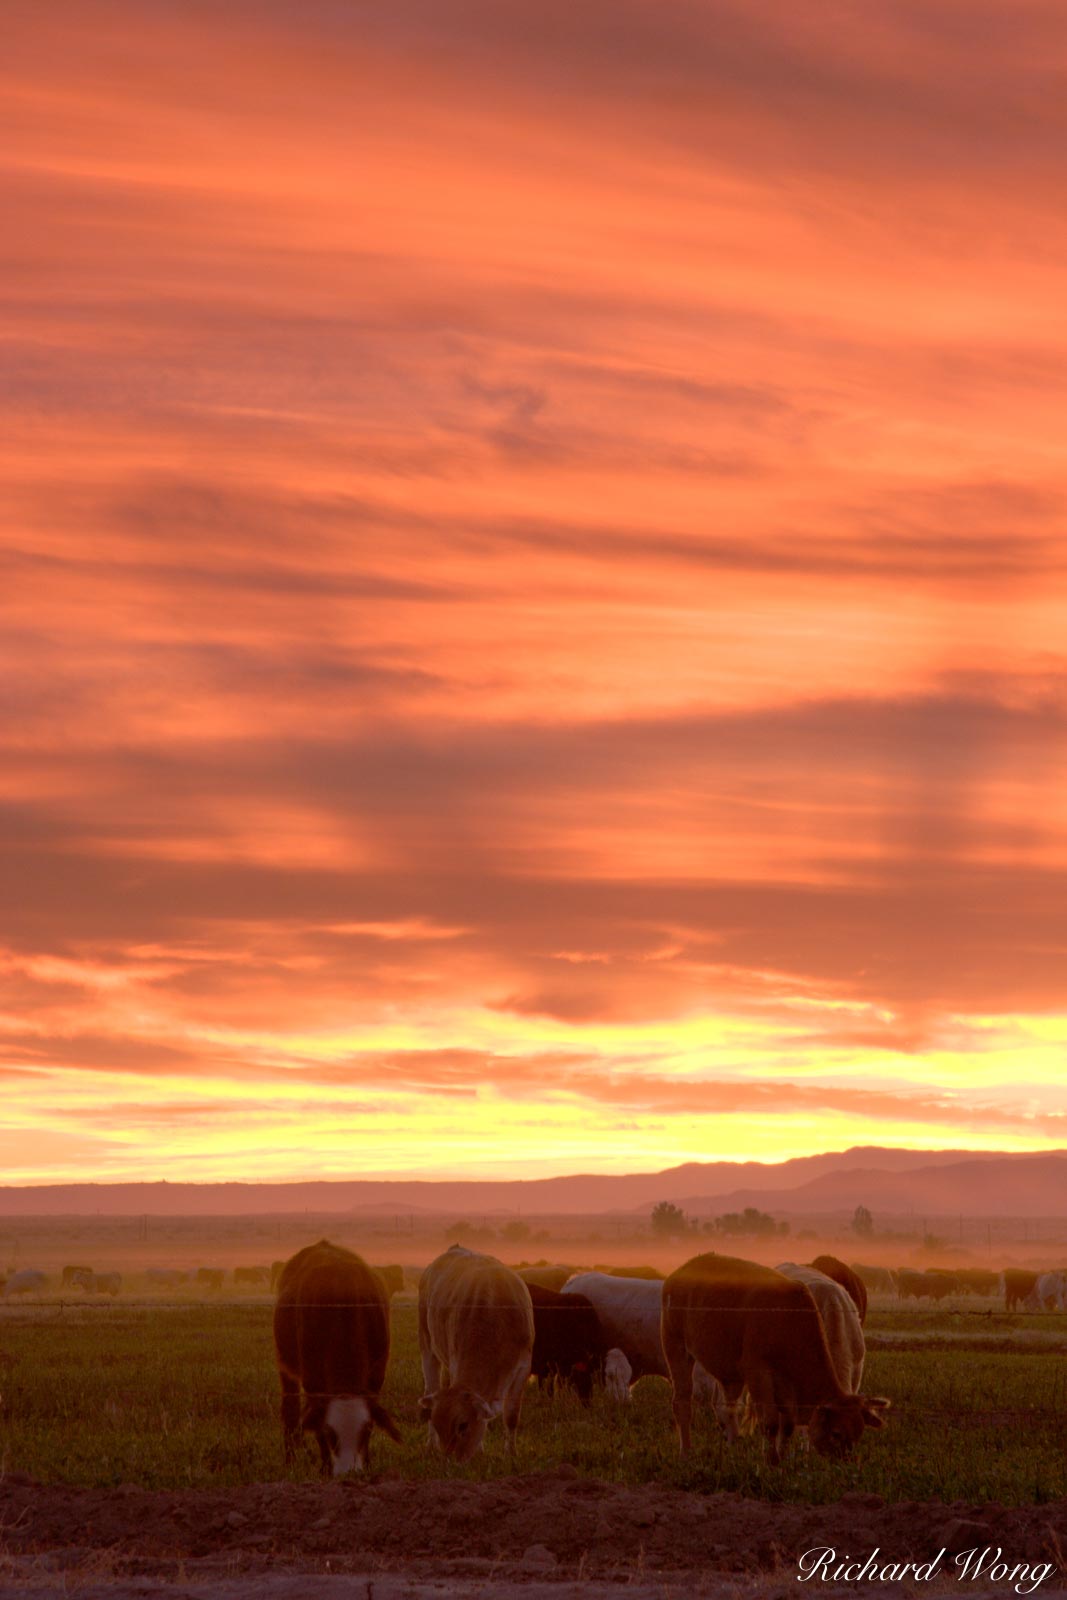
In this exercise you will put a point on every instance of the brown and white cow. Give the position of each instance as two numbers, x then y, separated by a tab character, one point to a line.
331	1339
752	1328
840	1320
476	1335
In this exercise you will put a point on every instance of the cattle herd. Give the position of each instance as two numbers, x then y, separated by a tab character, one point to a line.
791	1340
775	1349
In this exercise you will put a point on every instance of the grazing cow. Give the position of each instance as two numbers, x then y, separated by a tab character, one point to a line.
107	1283
545	1277
939	1283
629	1311
751	1327
977	1280
910	1284
1018	1284
76	1277
331	1340
257	1277
165	1277
210	1277
26	1281
1051	1291
568	1346
850	1281
476	1336
392	1280
876	1280
840	1320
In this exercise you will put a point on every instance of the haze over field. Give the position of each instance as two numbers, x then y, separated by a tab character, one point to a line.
533	590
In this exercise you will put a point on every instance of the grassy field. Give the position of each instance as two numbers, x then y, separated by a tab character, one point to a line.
185	1395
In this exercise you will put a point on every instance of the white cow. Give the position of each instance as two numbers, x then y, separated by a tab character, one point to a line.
1050	1291
27	1281
629	1311
840	1321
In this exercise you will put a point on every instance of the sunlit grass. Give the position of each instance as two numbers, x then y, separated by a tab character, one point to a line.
182	1396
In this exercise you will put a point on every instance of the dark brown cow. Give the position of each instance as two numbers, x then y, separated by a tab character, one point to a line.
392	1280
331	1339
1019	1285
568	1345
545	1277
978	1280
255	1276
831	1267
752	1327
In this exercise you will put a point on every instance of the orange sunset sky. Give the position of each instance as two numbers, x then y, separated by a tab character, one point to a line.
534	597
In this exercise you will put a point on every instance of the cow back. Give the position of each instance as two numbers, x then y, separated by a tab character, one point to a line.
735	1315
849	1280
478	1316
331	1322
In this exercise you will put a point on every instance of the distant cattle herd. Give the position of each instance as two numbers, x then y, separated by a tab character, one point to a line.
782	1348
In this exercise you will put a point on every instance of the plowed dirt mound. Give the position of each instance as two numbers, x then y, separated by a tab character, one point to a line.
551	1522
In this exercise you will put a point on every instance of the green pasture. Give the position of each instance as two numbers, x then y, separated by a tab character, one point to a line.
180	1395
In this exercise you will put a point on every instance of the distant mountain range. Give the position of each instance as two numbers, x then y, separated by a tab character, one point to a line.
937	1182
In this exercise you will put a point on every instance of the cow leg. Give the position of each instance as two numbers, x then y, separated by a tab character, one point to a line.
290	1416
513	1403
430	1364
768	1409
681	1372
729	1411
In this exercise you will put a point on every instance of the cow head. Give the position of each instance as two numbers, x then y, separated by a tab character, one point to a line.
837	1426
343	1424
618	1375
457	1419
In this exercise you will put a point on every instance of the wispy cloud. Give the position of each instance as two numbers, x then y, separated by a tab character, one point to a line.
532	576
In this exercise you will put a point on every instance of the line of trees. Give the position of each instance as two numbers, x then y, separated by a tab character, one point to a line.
670	1222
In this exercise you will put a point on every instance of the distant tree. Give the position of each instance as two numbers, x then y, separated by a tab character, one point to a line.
747	1223
668	1220
862	1222
515	1232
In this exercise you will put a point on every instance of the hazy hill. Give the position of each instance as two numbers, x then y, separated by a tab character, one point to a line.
947	1181
1011	1185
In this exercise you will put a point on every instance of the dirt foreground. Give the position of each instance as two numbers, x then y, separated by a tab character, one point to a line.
549	1536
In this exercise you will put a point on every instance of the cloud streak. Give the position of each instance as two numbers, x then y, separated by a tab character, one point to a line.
533	581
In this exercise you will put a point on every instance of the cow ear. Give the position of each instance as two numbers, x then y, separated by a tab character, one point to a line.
872	1409
313	1416
384	1421
426	1405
